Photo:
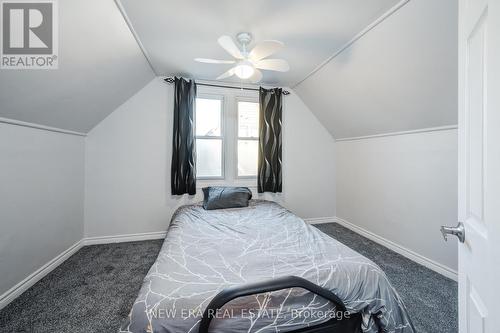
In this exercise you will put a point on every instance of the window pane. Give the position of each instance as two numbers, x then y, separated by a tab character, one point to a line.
248	119
208	157
208	117
247	157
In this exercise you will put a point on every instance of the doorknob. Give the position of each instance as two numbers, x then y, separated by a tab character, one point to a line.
458	231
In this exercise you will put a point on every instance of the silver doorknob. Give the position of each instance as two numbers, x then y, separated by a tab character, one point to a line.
458	231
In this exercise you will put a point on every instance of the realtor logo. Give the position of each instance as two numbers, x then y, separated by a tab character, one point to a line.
29	34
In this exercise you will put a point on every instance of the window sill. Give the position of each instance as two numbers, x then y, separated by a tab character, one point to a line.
246	182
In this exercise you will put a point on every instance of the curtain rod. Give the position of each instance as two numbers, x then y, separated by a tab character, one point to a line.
171	80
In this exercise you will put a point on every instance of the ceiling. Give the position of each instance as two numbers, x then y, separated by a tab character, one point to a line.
100	67
175	32
400	76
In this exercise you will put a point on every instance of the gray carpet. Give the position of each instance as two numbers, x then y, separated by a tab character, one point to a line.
94	289
431	299
90	292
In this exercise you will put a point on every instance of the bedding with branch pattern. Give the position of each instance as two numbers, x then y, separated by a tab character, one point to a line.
207	251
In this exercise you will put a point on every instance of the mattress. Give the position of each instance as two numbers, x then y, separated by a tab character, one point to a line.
207	251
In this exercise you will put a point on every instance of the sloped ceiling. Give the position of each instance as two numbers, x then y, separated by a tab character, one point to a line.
175	32
100	67
401	75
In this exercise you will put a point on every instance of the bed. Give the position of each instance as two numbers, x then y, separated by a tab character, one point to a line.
262	269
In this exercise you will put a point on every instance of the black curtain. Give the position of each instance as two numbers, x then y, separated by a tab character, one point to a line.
183	170
269	173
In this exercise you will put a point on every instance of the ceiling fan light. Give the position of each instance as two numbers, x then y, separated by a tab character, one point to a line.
244	70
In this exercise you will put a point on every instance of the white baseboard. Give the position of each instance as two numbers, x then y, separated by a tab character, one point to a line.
418	258
37	275
124	238
320	220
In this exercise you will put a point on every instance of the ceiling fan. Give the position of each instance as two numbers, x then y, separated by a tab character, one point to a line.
249	62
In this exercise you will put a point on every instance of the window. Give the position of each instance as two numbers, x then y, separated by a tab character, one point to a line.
209	138
227	136
248	138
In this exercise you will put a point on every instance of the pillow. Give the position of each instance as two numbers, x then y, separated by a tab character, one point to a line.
220	197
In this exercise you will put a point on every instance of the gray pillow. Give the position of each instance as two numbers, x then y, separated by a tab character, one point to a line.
219	197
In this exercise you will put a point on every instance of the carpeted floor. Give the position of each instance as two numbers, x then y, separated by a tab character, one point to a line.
90	292
94	289
431	299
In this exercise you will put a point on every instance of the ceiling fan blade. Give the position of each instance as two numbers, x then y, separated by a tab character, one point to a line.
228	44
214	61
256	77
226	74
265	49
279	65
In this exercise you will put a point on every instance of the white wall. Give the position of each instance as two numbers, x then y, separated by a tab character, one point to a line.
41	196
402	188
128	165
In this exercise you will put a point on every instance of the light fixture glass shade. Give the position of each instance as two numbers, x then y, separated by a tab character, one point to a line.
244	70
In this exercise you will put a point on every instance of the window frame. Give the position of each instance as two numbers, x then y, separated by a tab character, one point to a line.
222	136
229	132
238	99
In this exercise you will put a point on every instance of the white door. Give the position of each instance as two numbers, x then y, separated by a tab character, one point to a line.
479	165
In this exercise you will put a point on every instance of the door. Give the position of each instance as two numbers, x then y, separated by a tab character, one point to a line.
479	165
